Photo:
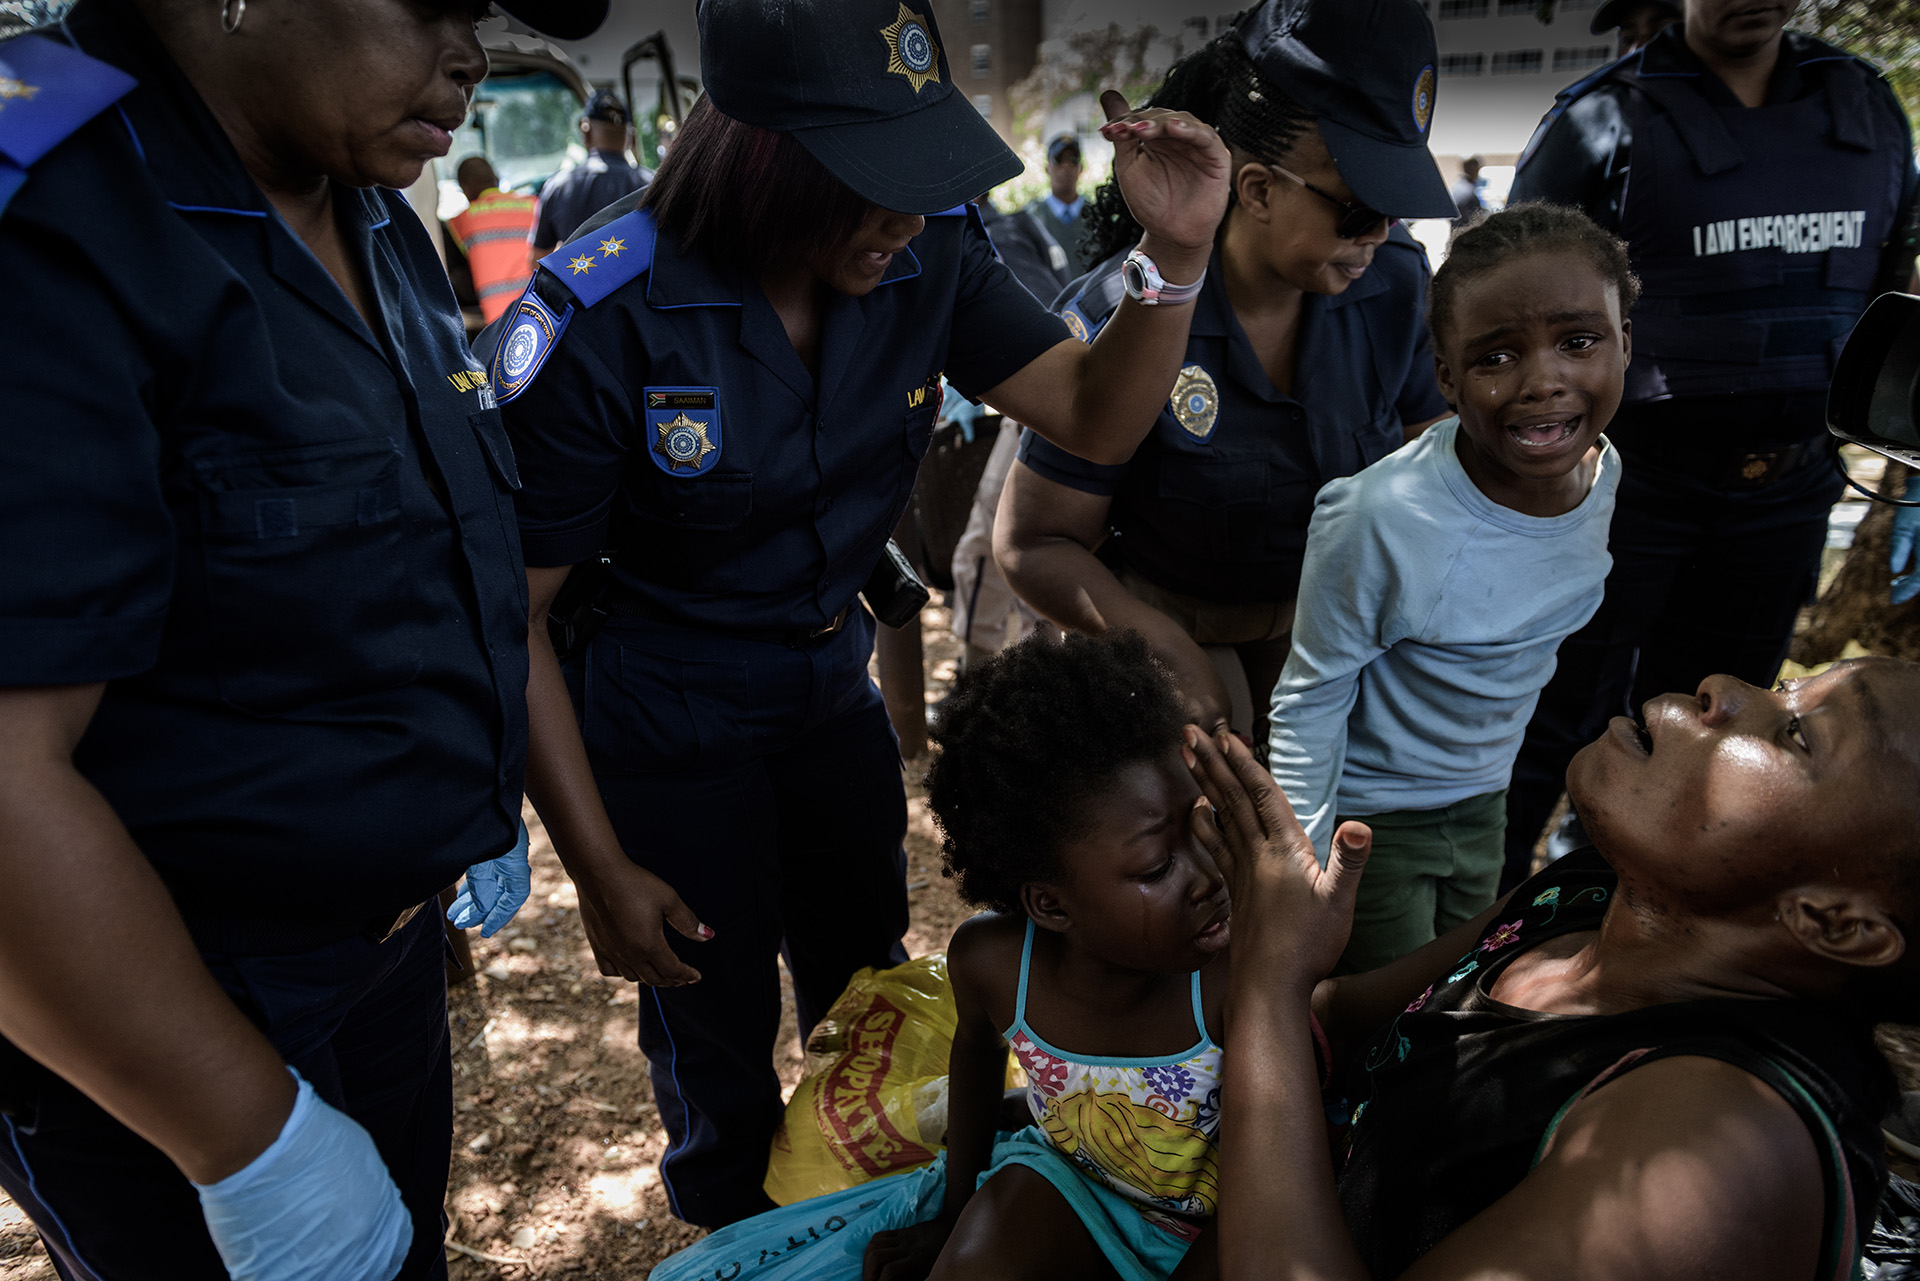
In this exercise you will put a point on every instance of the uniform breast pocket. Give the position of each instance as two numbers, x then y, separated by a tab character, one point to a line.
306	566
919	424
716	501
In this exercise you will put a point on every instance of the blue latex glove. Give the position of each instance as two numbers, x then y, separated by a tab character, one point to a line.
1906	534
494	891
317	1205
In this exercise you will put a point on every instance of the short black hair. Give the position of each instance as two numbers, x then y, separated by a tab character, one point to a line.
1028	740
748	198
1532	227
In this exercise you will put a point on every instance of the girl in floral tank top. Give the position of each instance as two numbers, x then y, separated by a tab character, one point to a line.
1067	810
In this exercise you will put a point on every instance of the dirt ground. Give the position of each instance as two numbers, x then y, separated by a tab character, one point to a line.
556	1137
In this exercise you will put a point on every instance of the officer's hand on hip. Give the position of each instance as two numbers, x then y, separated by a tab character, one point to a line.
1173	170
1906	538
495	890
625	913
317	1205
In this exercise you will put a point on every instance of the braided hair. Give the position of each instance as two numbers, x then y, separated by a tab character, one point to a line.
1220	84
1533	227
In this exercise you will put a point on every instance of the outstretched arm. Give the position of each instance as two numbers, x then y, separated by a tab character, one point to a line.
624	908
98	977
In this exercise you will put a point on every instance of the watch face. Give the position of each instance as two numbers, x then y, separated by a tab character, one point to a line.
1133	278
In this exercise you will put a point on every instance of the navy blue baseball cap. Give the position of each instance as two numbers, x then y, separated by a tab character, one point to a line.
607	108
1366	69
1614	13
561	19
864	85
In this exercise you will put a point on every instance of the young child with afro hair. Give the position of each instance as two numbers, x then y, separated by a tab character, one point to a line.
1068	812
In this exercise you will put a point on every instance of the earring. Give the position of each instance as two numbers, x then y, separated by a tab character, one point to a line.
232	14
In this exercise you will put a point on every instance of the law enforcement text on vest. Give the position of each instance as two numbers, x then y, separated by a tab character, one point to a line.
1759	233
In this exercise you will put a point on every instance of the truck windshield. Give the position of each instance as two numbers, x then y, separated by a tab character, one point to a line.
525	123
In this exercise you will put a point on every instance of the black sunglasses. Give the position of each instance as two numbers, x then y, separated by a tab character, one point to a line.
1355	219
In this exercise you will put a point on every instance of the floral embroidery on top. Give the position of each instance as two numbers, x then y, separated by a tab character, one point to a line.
1046	1074
1463	971
1421	999
1508	933
1550	895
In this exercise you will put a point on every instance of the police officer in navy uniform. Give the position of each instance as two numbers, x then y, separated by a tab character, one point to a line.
1316	366
1771	196
730	384
262	633
575	195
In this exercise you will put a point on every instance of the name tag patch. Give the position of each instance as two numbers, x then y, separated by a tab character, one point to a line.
683	429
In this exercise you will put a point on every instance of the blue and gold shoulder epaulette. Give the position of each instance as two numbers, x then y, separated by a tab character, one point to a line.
590	268
47	91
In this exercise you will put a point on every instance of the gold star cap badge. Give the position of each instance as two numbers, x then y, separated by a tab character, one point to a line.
911	51
611	248
580	264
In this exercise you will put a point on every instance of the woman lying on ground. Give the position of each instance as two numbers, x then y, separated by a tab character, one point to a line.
1649	1061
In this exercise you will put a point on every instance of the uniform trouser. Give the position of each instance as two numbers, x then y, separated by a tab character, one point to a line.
365	1022
1707	577
763	783
982	599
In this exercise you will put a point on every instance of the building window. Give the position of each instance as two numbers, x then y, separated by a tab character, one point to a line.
1516	62
983	60
983	103
1592	55
978	8
1463	8
1518	8
1463	64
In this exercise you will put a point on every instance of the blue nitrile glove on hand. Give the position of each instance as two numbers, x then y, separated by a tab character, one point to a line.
494	891
317	1205
1906	535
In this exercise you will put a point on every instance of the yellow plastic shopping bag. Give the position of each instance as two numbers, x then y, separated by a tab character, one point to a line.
873	1101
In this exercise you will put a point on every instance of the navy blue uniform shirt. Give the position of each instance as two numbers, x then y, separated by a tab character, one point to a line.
572	197
283	539
1216	501
776	520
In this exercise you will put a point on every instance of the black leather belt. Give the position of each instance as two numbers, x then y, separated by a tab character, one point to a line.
268	936
624	605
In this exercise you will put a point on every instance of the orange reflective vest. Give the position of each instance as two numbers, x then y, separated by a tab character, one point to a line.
493	234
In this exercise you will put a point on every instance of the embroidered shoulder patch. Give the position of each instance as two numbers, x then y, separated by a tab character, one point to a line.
532	332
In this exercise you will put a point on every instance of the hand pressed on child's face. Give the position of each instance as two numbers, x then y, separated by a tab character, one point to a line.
1534	359
1139	890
